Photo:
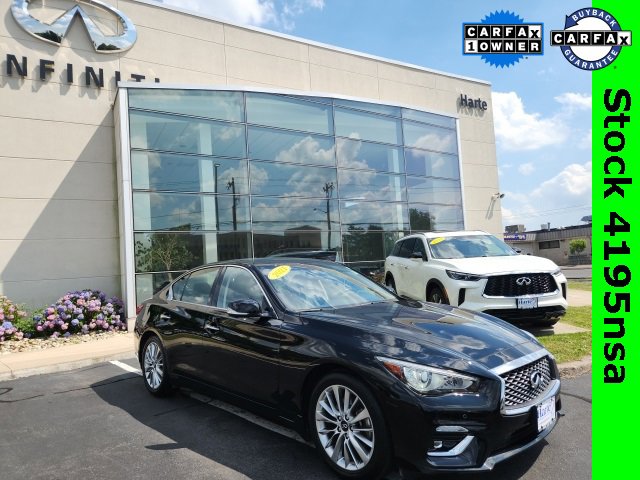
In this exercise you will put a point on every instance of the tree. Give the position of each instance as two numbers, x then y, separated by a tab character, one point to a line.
164	252
577	246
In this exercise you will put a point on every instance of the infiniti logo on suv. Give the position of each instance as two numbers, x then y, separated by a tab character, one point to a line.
523	281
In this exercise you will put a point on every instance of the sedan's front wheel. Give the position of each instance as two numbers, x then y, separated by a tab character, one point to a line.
154	368
348	428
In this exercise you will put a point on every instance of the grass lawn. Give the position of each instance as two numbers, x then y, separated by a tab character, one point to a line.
579	285
567	347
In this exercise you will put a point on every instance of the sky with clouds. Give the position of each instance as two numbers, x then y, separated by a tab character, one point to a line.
541	105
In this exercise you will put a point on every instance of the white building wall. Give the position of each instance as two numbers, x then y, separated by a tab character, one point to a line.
58	195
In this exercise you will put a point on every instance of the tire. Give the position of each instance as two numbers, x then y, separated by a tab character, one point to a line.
391	284
154	368
435	294
365	455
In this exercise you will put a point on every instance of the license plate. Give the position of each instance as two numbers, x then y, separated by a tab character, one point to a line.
546	413
527	302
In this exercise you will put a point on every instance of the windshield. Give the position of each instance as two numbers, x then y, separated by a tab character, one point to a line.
469	246
312	287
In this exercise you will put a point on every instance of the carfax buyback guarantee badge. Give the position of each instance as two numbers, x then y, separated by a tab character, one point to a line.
592	38
502	39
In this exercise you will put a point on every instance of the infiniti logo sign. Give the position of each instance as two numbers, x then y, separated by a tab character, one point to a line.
55	32
535	380
522	281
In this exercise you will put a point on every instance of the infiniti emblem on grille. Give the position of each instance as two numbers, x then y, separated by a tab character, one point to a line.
535	379
523	281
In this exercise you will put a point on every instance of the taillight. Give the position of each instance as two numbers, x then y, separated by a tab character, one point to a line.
139	309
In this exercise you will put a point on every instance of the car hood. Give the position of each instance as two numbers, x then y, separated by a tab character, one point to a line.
441	335
496	265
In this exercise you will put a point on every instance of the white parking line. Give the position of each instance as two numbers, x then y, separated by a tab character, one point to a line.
126	367
238	412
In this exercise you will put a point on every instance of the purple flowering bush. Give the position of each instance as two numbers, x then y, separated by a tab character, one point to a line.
10	316
81	312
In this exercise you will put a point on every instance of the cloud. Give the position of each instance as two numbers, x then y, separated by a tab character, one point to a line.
526	168
579	101
276	13
517	129
564	198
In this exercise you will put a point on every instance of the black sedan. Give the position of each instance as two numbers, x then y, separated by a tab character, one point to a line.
371	378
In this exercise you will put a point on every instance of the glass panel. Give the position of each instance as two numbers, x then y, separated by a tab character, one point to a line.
360	246
431	118
198	287
431	164
367	126
369	156
290	180
364	216
158	252
185	173
155	131
426	218
371	107
169	211
238	284
287	112
283	214
374	270
328	100
199	103
290	147
148	284
429	190
359	185
429	138
271	243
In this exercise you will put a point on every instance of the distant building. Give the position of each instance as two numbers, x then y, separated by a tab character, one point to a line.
554	244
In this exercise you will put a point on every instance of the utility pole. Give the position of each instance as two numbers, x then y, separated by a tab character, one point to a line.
231	185
328	193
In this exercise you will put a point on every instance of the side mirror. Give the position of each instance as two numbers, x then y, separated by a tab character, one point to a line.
245	308
416	255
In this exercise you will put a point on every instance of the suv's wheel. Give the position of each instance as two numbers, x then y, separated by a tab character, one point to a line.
436	295
154	367
348	428
391	284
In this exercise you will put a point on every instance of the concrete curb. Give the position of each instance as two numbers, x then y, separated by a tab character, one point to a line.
575	368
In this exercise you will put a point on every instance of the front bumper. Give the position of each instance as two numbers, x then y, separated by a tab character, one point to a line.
466	437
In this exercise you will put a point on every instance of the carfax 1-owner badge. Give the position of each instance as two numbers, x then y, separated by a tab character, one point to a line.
592	38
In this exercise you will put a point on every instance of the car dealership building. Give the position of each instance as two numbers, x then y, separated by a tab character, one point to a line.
139	141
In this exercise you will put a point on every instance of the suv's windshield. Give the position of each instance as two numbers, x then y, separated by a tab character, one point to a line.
310	287
468	246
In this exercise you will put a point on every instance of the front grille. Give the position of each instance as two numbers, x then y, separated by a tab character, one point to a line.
532	284
527	315
518	389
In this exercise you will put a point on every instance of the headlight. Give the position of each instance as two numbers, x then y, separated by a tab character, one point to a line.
430	380
557	273
464	276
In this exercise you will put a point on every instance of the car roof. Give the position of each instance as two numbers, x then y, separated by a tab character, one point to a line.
271	261
452	233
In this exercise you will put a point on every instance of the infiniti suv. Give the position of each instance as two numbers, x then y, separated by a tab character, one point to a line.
477	271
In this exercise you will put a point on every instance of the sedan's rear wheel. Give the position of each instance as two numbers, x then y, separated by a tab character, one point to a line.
154	368
348	428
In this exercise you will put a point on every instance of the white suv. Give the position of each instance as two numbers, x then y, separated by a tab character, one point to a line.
475	270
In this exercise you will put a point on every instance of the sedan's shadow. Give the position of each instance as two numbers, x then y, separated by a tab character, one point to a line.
238	444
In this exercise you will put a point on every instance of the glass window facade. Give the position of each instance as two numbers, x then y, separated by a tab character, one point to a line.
217	175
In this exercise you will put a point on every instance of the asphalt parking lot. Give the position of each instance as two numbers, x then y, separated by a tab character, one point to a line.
99	422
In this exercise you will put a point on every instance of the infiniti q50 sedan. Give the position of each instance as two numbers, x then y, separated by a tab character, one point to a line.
369	377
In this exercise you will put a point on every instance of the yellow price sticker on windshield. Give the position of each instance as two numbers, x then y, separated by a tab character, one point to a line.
279	272
436	241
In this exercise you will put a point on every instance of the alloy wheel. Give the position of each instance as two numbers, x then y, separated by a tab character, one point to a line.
344	427
153	365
